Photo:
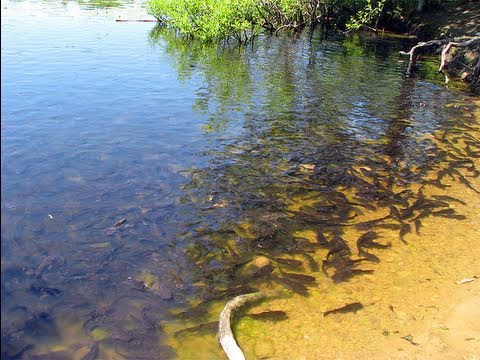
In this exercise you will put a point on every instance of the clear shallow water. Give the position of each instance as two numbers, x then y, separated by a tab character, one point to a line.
215	157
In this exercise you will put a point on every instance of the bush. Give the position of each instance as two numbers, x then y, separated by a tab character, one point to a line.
222	19
207	19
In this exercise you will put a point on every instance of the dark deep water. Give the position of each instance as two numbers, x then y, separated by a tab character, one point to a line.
202	151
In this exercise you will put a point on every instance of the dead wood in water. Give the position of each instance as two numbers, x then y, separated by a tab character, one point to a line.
446	48
145	20
225	334
469	72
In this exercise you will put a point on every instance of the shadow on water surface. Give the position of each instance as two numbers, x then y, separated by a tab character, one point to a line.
304	140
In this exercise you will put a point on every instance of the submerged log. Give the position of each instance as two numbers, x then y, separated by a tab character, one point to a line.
225	334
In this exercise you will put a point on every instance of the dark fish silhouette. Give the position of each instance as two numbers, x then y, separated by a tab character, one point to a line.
464	181
291	284
405	229
120	222
345	274
395	213
444	212
423	214
338	246
448	198
289	262
366	225
353	307
305	279
263	271
406	213
367	240
418	225
211	327
311	261
437	184
276	315
388	226
368	256
321	239
201	309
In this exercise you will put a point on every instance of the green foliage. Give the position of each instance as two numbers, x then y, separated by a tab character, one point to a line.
211	20
368	16
221	19
207	19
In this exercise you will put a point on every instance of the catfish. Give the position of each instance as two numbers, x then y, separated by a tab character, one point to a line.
211	327
346	274
305	279
264	271
366	240
366	225
311	261
321	239
353	307
288	262
448	198
368	256
418	225
276	315
406	228
291	284
339	246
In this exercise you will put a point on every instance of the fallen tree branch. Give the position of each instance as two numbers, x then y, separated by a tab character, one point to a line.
447	48
422	45
140	20
433	45
225	334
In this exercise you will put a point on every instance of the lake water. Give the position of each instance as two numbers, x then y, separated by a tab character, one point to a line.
223	161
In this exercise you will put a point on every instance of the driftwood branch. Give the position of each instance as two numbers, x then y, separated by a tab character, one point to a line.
225	334
447	48
133	20
422	45
433	45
